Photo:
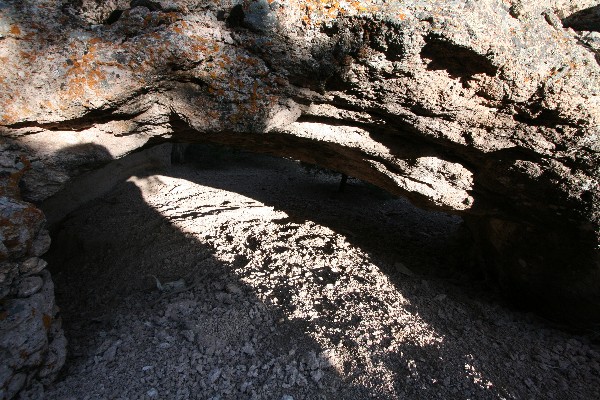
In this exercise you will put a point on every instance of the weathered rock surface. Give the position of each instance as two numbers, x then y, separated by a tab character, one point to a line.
32	343
489	109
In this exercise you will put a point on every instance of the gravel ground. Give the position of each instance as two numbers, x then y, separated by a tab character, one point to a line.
251	277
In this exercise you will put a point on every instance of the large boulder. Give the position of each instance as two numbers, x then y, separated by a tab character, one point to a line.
488	109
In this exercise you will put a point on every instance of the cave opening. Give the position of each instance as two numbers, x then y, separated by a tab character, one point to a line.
232	254
204	271
385	226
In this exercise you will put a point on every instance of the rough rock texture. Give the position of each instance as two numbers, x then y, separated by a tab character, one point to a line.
32	343
489	109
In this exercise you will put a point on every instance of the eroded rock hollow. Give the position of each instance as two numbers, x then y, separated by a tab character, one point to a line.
486	109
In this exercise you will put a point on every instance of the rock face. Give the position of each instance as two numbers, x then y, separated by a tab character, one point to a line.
32	343
489	109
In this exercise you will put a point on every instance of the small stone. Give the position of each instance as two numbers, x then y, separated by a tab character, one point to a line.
403	269
287	397
55	359
233	289
529	383
41	243
33	265
248	349
224	297
312	362
111	352
152	392
214	375
174	285
189	335
29	286
317	375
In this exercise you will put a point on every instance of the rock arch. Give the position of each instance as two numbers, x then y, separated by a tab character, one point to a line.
486	109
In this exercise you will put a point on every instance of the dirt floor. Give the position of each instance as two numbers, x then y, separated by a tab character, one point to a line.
239	276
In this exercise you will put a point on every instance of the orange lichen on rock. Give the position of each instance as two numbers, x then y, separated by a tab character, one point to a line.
28	57
204	45
15	30
94	41
83	73
180	27
9	186
248	60
319	11
359	6
47	321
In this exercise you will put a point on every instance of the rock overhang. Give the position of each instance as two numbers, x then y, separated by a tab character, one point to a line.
489	109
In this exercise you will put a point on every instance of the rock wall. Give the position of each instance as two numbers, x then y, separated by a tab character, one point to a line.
488	109
32	343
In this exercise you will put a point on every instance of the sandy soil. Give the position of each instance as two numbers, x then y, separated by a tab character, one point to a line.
250	277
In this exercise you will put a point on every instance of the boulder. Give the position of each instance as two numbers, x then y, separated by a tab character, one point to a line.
487	109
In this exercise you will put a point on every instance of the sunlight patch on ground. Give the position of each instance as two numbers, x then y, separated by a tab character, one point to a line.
316	276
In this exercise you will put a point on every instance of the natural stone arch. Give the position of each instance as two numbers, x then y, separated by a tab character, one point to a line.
416	97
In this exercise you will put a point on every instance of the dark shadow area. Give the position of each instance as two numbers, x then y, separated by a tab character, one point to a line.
584	20
459	62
